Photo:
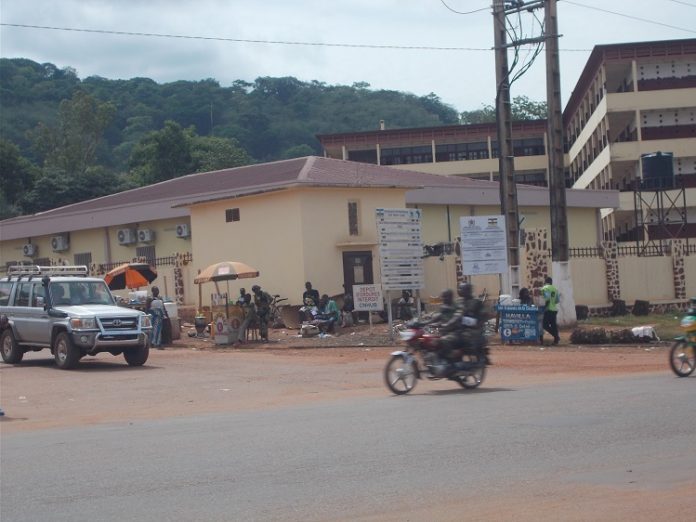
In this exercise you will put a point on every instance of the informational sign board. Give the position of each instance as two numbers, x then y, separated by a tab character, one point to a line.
367	298
400	248
483	245
520	323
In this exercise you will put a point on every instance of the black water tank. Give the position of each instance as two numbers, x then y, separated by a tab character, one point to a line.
658	170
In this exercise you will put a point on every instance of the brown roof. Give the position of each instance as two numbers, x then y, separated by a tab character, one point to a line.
168	199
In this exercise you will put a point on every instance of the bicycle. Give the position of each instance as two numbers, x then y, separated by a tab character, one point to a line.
275	318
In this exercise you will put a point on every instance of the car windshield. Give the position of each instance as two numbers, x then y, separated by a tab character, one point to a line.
81	293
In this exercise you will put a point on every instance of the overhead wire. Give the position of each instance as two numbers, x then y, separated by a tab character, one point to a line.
629	16
464	12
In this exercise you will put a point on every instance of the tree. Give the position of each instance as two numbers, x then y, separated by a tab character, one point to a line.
212	153
162	155
522	109
18	176
72	144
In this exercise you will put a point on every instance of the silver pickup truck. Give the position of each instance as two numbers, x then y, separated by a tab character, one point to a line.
61	308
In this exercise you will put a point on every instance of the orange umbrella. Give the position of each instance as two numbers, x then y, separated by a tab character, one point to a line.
130	275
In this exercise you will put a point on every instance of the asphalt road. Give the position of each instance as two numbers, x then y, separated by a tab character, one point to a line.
606	448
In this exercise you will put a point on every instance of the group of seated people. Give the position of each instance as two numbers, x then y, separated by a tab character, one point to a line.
321	312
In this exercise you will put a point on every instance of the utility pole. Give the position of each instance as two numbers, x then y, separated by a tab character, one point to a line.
506	160
557	185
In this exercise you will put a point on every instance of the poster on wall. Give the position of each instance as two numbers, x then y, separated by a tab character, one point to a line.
483	245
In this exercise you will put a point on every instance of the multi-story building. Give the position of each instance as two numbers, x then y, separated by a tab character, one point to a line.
458	150
631	102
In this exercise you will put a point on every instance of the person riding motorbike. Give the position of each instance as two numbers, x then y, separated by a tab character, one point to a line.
465	328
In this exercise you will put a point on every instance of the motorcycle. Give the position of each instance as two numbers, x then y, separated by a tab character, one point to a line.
464	365
682	356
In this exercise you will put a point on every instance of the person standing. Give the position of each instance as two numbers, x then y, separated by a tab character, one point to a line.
551	300
159	313
262	301
249	316
241	298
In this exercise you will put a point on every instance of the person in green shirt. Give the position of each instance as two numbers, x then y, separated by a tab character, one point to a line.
328	314
550	294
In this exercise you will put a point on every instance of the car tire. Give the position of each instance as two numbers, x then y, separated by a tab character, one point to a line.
67	355
11	352
137	356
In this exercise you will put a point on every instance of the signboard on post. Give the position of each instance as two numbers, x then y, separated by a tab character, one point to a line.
400	248
367	298
483	245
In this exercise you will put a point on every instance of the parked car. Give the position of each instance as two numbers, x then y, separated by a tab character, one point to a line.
63	309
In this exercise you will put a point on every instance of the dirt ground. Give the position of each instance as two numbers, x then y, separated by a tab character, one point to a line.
194	375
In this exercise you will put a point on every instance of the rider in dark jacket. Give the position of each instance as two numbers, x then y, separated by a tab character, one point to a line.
465	329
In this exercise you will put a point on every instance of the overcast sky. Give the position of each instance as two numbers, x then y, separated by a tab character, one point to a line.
463	78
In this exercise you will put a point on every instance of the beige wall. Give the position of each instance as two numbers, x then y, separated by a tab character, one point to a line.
589	281
690	269
582	222
290	237
102	244
649	278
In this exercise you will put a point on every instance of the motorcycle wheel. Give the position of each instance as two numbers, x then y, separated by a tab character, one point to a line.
400	375
475	378
682	358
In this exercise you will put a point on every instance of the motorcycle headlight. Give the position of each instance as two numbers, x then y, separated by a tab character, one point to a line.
145	322
83	323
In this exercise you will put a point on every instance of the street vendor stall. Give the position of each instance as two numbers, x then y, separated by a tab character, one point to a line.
225	317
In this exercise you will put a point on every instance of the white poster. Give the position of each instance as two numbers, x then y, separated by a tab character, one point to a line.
367	298
483	244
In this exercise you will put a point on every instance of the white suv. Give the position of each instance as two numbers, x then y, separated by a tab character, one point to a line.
61	308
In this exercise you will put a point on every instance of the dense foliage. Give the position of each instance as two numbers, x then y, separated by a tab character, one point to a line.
64	139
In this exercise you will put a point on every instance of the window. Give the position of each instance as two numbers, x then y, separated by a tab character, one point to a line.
38	296
353	228
148	252
5	288
83	259
22	298
231	214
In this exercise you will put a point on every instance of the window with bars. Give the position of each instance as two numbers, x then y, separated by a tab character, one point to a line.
231	214
83	259
147	252
353	224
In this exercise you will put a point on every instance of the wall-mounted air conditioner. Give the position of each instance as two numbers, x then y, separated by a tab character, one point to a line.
60	243
146	235
126	236
30	250
183	230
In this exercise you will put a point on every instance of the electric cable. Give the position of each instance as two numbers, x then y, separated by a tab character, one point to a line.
464	12
629	16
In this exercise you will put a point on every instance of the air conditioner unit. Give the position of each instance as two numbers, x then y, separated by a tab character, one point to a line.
126	236
145	235
183	230
60	243
30	250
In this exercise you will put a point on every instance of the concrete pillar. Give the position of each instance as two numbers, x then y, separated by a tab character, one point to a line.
678	248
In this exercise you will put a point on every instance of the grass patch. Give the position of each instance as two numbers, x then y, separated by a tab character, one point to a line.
666	325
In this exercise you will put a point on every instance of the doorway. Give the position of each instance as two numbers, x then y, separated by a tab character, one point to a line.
357	269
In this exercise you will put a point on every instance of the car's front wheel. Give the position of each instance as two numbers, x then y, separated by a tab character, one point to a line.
67	355
137	356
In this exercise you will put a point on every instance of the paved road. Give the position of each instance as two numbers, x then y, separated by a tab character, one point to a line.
620	448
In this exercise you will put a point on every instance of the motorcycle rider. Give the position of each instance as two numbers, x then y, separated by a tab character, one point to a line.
466	326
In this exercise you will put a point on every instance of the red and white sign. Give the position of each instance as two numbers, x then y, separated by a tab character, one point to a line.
367	298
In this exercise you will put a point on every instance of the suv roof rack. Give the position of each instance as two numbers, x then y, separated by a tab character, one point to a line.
35	270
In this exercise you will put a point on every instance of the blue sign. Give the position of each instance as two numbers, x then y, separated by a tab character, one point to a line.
520	322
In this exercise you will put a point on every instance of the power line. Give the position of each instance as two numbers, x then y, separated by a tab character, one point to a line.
464	12
683	3
629	16
268	42
242	40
